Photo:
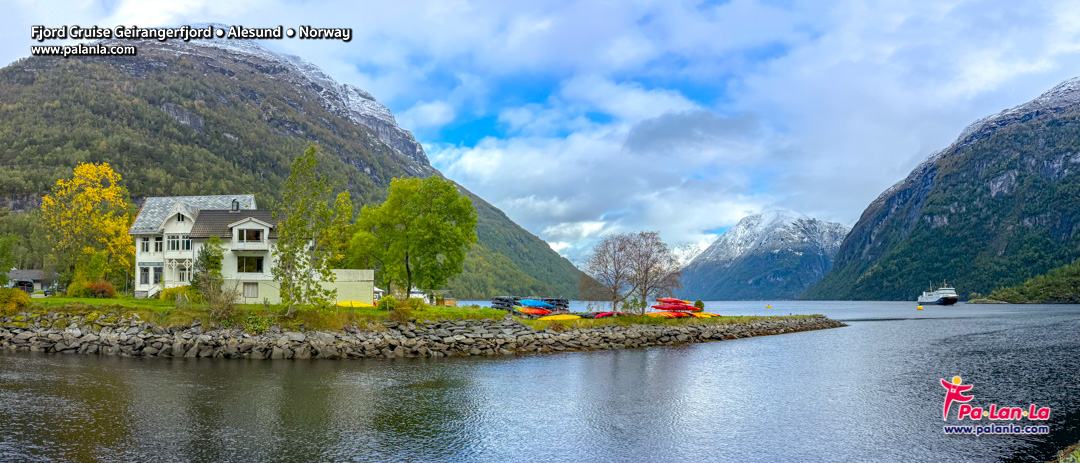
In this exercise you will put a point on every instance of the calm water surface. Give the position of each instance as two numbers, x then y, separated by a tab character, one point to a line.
867	392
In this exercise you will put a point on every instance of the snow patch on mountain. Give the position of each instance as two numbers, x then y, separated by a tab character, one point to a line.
772	231
344	100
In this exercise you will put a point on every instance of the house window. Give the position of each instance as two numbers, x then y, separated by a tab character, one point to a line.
179	217
251	290
249	264
179	242
157	274
174	242
250	235
157	244
144	274
183	275
146	244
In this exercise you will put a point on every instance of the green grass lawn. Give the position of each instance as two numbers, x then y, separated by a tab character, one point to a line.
257	317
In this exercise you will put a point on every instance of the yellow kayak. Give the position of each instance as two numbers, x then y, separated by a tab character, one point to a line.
355	304
707	314
560	317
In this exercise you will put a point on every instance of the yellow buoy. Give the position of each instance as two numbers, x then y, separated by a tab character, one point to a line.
768	307
918	308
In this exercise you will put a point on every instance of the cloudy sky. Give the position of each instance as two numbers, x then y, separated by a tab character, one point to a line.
580	118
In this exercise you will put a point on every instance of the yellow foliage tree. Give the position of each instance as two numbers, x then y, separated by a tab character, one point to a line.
88	214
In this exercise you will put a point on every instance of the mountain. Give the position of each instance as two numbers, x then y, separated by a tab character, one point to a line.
1058	286
226	116
772	255
998	206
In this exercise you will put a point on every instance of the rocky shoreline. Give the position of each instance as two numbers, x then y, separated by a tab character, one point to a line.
129	336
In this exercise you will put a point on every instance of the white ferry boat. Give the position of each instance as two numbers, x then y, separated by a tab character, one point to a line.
945	295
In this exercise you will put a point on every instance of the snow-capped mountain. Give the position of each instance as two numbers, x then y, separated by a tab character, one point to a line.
228	116
772	255
343	100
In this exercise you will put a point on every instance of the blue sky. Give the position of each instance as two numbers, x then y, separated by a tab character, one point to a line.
580	118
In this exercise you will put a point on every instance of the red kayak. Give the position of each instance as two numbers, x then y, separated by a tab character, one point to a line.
678	314
677	307
608	314
533	311
671	300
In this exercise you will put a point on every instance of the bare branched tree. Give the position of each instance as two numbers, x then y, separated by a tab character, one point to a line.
609	265
654	267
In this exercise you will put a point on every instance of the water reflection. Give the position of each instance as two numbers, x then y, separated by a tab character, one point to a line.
865	392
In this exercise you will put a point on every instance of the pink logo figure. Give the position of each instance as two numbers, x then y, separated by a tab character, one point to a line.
954	392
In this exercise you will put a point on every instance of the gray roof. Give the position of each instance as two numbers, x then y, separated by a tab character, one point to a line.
35	275
156	209
216	223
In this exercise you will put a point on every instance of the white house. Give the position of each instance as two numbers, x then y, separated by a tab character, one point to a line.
169	231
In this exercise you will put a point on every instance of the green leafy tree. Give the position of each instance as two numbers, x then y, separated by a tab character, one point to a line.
340	232
302	253
419	236
206	270
7	255
208	280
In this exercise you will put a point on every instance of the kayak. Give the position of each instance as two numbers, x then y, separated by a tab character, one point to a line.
536	303
534	311
676	307
703	315
353	304
560	317
709	314
671	300
608	314
667	314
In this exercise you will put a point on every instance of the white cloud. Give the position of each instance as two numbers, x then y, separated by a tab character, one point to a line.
427	114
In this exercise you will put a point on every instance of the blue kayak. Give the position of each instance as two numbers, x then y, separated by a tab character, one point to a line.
536	303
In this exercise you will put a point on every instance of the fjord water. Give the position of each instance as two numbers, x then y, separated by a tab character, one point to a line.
866	392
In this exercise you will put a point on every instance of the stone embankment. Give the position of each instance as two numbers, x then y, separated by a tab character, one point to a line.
128	336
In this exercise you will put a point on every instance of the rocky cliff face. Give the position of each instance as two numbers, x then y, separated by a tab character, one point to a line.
343	100
997	206
773	255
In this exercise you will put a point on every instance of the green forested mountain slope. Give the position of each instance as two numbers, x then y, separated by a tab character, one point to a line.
1060	286
189	120
999	206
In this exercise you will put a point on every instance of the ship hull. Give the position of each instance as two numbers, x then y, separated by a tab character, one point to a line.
947	300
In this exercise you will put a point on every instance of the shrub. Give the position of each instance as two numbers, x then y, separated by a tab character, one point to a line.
96	289
185	293
257	324
400	315
414	303
699	304
387	303
12	301
100	289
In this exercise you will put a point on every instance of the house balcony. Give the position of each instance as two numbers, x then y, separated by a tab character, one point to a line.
178	255
241	245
